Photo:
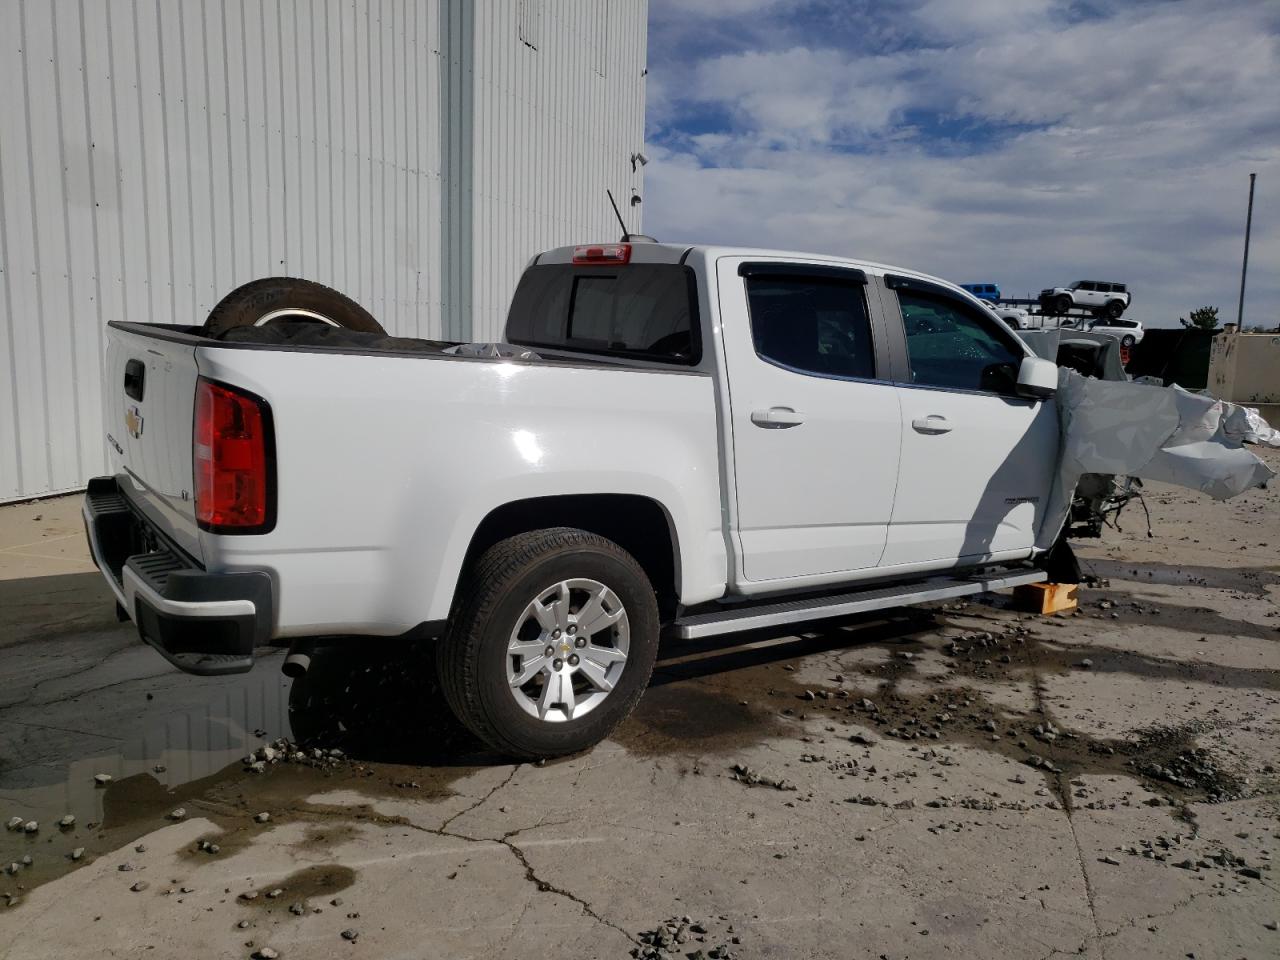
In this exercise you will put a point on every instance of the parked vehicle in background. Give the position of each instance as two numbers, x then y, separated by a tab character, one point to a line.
1128	332
1016	317
1103	299
983	291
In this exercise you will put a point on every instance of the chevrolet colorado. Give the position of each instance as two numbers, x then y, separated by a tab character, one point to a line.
702	440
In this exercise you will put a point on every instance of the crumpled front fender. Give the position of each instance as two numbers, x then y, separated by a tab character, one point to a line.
1156	433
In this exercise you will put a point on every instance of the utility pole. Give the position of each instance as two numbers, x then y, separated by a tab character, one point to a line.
1244	269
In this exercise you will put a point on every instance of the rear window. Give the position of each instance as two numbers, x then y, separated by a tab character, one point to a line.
645	310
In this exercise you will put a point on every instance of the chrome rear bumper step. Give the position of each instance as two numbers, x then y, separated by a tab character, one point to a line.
766	615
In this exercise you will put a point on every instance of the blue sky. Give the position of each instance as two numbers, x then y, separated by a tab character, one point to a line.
1026	142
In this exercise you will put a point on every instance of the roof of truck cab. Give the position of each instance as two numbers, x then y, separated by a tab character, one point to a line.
646	252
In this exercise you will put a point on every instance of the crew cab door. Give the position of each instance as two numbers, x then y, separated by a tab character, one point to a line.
814	420
977	461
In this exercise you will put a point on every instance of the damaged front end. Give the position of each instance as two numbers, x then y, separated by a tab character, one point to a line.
1116	433
1099	500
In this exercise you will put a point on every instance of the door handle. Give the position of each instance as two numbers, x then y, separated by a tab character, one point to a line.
135	379
776	418
934	423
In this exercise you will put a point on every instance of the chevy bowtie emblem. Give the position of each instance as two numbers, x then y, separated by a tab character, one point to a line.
133	422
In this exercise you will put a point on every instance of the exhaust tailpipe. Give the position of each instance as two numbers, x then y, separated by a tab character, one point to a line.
298	660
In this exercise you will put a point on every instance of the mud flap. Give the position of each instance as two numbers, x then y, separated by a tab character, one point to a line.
1060	562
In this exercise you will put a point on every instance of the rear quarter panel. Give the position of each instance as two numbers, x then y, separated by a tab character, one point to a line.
386	466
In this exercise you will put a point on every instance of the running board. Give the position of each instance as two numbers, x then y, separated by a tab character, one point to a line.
761	616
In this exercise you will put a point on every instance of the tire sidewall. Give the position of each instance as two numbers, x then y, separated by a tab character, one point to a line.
538	737
246	305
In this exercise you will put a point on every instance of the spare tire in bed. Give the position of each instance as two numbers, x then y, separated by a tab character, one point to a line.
263	301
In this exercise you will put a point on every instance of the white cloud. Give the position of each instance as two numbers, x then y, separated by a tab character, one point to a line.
799	95
1136	133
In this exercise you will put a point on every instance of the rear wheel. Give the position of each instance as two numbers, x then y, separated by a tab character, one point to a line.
1115	308
287	298
1128	340
552	643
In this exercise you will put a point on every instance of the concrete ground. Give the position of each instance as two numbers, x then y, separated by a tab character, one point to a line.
963	780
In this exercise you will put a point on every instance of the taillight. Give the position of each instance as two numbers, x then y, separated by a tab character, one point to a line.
232	460
603	253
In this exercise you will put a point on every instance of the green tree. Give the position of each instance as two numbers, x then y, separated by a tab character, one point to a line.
1203	318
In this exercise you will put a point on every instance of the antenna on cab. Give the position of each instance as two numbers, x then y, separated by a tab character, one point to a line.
626	237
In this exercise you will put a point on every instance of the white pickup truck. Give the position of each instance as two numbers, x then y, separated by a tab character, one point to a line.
701	440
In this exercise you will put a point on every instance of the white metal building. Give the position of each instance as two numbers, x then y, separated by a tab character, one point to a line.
155	154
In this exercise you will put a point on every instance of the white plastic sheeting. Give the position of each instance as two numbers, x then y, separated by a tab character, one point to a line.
1247	424
1156	433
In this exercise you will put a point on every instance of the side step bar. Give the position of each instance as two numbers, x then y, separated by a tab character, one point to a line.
764	615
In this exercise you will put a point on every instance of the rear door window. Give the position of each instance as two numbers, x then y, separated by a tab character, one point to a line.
815	325
646	311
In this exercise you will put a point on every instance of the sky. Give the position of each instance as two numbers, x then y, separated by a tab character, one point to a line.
1028	143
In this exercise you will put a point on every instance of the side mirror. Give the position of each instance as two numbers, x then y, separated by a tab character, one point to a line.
1037	378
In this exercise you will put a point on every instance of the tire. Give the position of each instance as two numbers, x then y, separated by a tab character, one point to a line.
517	576
259	300
1127	340
1062	303
1115	308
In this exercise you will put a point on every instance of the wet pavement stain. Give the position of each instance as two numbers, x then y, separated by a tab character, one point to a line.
1252	580
1166	761
384	715
1185	619
320	881
706	699
705	695
951	714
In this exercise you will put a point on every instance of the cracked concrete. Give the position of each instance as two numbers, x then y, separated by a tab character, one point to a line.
921	837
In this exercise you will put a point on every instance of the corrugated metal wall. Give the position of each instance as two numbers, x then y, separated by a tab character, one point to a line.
557	119
155	154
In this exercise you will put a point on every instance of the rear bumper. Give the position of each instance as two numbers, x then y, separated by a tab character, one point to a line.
202	623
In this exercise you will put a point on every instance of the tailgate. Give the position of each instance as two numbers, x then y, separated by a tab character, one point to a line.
149	393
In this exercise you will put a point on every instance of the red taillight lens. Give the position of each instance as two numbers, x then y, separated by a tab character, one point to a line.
603	253
232	466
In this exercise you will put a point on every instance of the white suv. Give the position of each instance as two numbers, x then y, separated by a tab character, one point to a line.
1015	317
1103	299
1128	332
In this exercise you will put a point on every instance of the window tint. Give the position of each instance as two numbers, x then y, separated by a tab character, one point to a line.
642	310
950	345
1118	287
816	325
1087	285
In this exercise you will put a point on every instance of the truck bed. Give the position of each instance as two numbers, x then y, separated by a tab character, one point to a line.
385	468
